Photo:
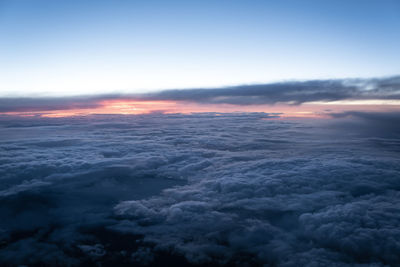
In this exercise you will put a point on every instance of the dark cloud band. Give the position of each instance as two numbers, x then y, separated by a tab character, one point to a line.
284	92
292	92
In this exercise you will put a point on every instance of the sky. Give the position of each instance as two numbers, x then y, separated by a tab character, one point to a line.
64	48
200	133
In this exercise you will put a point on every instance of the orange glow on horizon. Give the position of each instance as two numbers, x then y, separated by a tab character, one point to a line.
136	107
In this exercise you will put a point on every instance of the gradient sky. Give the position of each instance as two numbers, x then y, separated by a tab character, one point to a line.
62	48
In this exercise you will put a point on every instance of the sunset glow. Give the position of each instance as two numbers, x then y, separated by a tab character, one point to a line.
199	133
137	107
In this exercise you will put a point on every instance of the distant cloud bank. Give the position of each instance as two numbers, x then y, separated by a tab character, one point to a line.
293	93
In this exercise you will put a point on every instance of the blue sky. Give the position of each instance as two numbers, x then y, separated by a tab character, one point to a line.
91	47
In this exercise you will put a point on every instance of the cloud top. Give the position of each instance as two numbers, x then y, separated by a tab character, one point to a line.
223	189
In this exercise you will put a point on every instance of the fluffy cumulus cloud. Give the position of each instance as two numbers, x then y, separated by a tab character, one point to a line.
204	189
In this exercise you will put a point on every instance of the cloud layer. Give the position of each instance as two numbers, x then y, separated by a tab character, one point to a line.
230	189
284	92
292	92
